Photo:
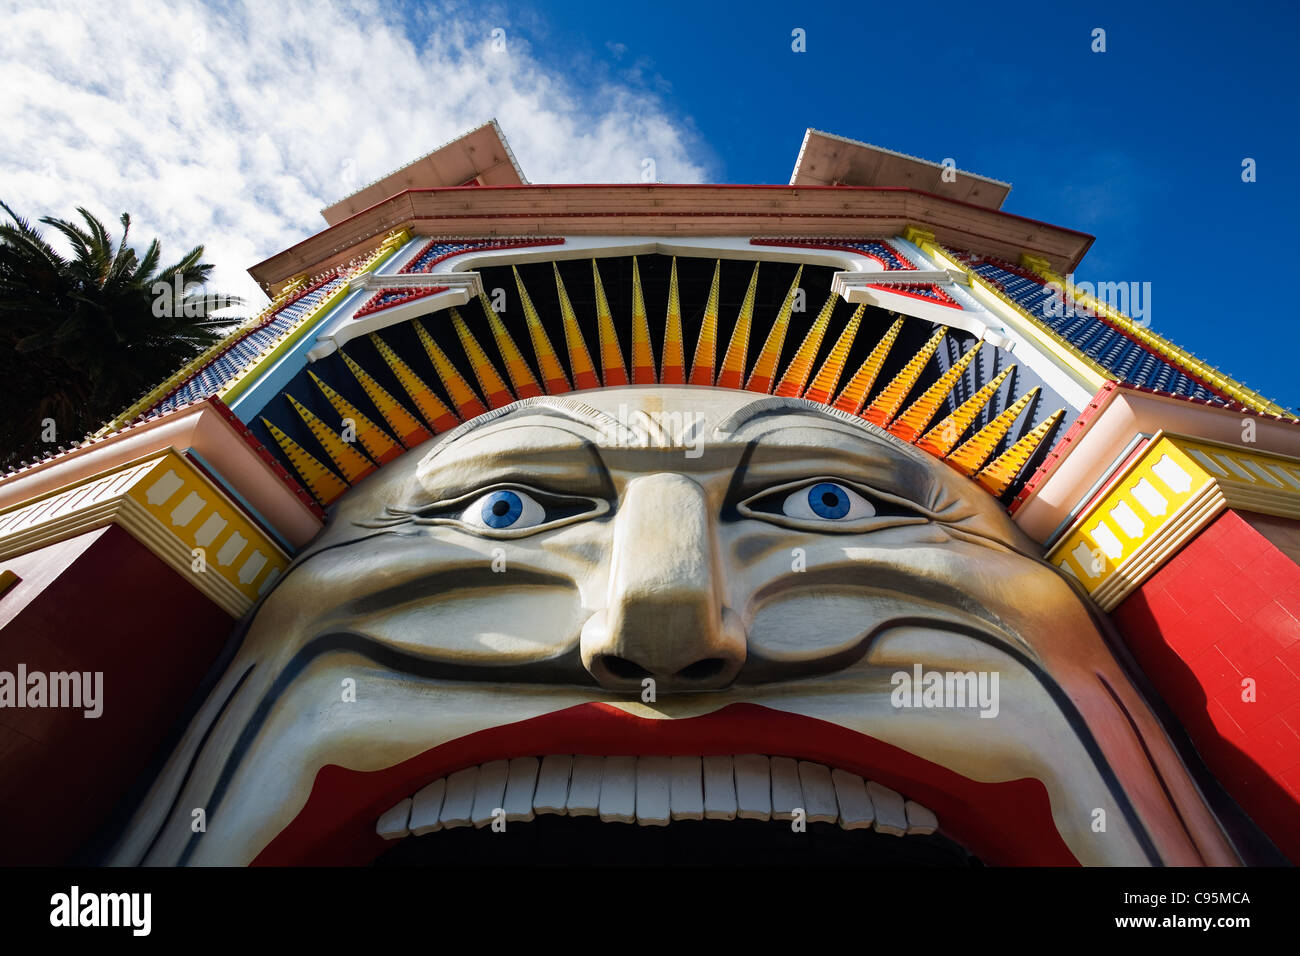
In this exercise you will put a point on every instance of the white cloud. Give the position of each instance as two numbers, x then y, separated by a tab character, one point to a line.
233	126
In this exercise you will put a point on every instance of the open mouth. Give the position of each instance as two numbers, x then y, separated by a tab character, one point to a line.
655	792
720	787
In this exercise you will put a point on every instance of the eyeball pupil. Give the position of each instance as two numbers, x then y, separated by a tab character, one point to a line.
502	509
828	500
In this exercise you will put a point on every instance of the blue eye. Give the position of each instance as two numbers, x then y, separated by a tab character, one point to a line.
504	510
501	509
827	501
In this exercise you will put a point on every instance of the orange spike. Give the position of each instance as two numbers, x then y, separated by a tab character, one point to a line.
796	373
462	396
401	422
969	457
761	378
612	370
706	346
890	400
909	425
439	416
732	372
349	462
828	376
995	477
855	393
521	376
324	485
942	438
673	367
490	381
548	363
643	358
584	372
377	442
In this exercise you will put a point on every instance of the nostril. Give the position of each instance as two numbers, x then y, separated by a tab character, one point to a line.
703	670
623	668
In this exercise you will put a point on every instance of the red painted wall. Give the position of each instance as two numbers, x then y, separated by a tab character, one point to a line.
1227	608
97	602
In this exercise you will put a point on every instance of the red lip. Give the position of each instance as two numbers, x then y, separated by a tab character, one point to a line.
1005	824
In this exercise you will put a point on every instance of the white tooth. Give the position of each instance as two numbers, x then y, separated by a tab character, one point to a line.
891	817
920	819
584	786
489	791
719	788
553	784
753	787
856	812
458	804
618	790
518	803
425	807
653	786
786	793
818	792
687	799
392	825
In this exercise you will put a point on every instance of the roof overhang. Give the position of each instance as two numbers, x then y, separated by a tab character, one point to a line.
481	157
684	210
829	160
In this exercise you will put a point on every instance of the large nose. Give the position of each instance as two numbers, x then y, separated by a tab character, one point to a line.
664	616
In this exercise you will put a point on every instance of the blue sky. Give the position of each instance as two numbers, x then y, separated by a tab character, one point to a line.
233	123
1141	145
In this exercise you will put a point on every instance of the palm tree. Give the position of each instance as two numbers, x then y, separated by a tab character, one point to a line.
83	337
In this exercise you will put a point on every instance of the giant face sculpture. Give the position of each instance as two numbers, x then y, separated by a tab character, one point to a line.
672	572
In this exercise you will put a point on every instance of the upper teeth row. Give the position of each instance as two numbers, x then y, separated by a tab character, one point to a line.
654	790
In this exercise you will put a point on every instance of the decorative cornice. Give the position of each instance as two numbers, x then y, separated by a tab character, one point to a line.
1161	499
169	506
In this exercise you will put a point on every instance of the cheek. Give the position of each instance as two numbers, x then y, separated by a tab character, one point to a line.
506	624
445	595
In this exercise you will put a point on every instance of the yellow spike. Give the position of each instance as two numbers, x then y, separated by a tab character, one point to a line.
828	376
548	363
403	424
886	405
351	463
943	437
706	346
912	422
995	477
324	485
584	372
377	443
438	415
612	370
489	379
969	457
521	376
763	376
643	358
797	372
855	393
672	368
732	372
458	389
